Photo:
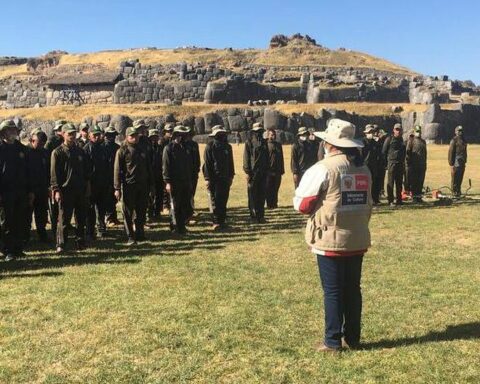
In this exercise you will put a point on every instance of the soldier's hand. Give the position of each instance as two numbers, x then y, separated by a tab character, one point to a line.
118	195
168	188
57	196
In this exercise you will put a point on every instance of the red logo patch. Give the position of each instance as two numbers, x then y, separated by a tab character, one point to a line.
361	182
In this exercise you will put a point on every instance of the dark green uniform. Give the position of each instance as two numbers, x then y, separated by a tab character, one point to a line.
166	197
177	171
14	189
97	204
133	176
218	169
372	157
156	203
394	155
53	142
81	142
38	161
416	161
111	149
256	166
69	172
275	172
457	159
304	155
193	153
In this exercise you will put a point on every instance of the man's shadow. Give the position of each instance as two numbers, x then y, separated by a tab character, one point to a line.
467	331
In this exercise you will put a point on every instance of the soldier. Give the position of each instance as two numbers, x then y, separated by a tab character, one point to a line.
69	180
218	171
193	152
371	153
97	157
39	175
166	138
416	161
407	183
255	165
457	159
132	178
304	155
156	199
15	192
84	135
56	138
276	169
177	175
380	136
394	154
111	148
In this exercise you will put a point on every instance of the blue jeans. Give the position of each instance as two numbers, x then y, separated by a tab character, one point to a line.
340	278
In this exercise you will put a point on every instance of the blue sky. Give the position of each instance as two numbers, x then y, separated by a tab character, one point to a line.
431	37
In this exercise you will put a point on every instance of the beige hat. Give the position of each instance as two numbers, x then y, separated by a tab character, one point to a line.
398	126
341	134
217	129
302	131
369	128
257	127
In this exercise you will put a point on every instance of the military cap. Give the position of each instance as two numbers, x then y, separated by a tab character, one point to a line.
39	133
180	129
68	128
95	130
7	124
459	128
58	124
140	123
84	126
257	127
169	127
217	129
397	126
152	132
131	131
369	128
111	130
302	131
417	128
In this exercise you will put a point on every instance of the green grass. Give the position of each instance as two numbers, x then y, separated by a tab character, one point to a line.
246	305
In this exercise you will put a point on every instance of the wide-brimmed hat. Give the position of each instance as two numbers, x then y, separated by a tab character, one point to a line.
111	130
217	129
459	129
8	124
369	128
169	127
257	127
302	131
341	134
180	129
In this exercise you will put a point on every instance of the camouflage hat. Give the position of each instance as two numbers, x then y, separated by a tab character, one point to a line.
257	127
84	126
417	128
302	131
95	130
59	124
369	128
397	126
111	130
180	129
7	124
140	123
152	132
68	128
217	129
131	131
459	129
39	133
169	127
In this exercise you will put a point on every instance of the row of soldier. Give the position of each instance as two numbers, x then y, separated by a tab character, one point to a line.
153	172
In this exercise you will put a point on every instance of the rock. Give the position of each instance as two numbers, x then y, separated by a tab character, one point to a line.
237	123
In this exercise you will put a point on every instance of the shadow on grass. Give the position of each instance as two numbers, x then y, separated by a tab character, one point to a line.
467	331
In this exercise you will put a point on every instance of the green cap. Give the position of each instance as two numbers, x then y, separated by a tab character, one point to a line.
68	128
140	123
169	127
7	124
84	126
302	131
111	130
95	130
59	124
152	132
180	129
131	131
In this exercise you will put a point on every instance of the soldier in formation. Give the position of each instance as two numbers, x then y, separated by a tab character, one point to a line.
457	159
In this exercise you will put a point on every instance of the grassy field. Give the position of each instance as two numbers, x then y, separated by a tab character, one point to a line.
245	306
76	114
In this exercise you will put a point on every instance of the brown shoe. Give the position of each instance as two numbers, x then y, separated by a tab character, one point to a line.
323	348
